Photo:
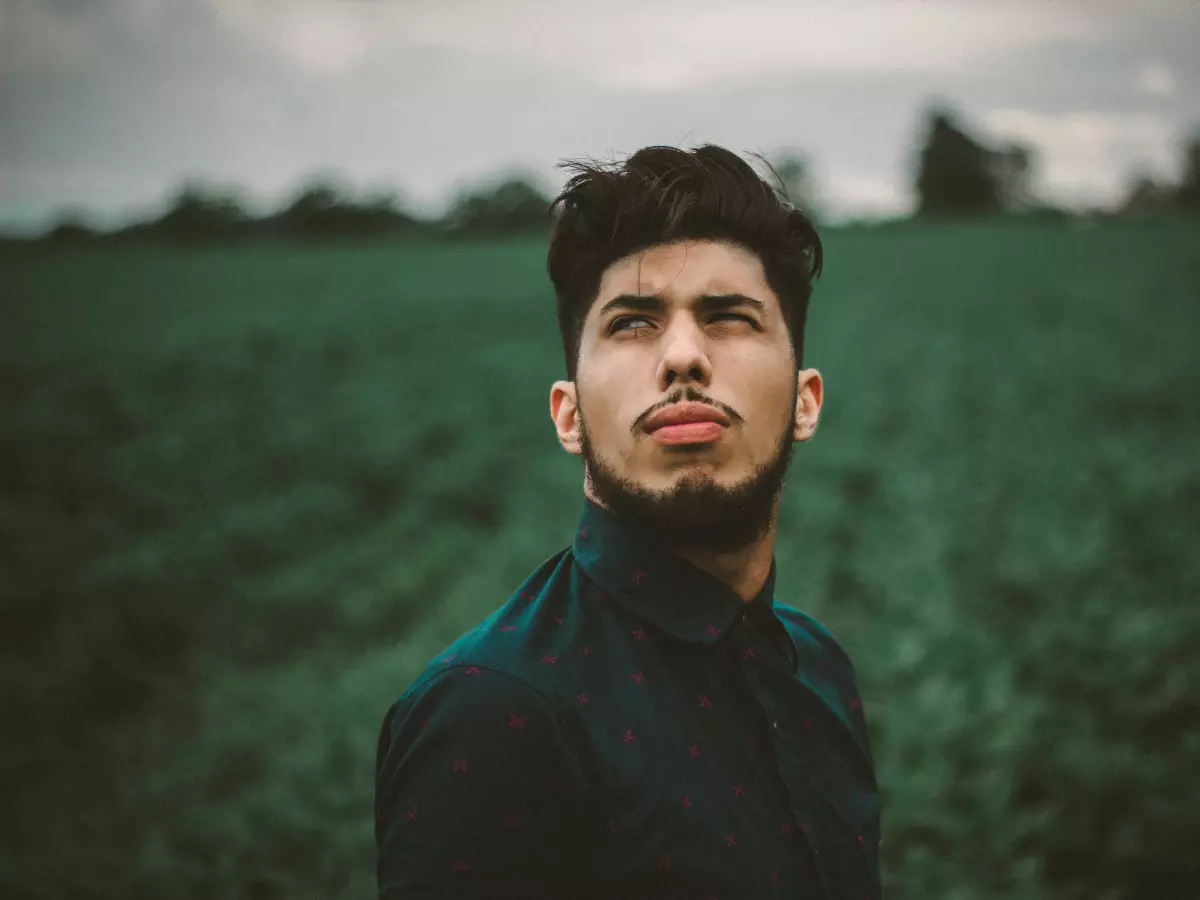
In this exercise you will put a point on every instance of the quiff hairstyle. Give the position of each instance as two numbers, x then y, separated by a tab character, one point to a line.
661	195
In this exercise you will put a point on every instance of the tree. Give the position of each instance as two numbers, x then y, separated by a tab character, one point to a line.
70	228
200	212
955	175
325	208
514	204
1188	195
1146	197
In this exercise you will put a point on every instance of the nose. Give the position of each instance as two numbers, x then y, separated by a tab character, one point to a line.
683	351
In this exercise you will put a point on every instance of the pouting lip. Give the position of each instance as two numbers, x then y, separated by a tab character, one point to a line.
683	413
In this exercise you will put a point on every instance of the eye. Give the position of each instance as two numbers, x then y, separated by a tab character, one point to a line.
734	316
623	320
617	323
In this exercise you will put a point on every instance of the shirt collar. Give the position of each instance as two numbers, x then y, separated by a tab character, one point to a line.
655	583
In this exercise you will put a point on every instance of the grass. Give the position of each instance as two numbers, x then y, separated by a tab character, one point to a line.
236	488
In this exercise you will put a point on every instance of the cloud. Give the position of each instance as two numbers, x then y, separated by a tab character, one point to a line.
110	103
669	44
1156	80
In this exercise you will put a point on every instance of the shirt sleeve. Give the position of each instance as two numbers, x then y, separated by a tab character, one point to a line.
476	791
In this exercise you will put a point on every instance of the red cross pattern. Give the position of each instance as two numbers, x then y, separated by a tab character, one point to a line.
515	721
638	634
472	670
550	659
637	577
460	765
738	791
730	840
694	751
713	630
628	736
583	532
638	677
582	698
704	700
411	815
508	627
687	802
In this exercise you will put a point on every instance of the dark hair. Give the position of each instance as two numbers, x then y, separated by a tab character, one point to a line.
660	195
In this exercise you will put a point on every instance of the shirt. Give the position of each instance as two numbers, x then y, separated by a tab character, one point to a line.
626	726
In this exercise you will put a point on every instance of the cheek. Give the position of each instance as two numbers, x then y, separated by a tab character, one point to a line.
603	414
769	406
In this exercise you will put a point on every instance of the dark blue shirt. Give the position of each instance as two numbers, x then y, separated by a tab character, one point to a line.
626	726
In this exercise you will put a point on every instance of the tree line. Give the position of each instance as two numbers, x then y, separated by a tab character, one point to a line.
323	209
955	175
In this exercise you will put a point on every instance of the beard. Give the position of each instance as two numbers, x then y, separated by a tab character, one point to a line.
697	511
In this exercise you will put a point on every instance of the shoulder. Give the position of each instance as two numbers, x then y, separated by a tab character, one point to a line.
462	694
810	636
475	712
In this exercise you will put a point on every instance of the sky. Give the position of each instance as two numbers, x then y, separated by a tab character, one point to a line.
107	106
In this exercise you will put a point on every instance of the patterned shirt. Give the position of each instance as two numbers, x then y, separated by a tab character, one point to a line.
626	726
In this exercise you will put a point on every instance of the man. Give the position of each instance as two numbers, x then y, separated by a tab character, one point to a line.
641	718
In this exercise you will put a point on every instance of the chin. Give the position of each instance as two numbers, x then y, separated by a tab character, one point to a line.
700	474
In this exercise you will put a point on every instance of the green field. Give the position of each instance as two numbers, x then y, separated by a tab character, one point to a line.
236	485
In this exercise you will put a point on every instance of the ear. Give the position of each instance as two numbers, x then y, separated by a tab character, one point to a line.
564	411
809	396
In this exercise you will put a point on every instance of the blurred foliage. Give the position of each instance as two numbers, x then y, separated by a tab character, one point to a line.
1148	197
954	176
237	488
322	209
513	204
1189	188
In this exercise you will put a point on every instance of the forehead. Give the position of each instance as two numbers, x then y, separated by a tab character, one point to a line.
685	269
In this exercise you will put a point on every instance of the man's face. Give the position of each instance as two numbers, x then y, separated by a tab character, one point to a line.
655	338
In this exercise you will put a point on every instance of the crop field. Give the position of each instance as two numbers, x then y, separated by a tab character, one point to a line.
237	486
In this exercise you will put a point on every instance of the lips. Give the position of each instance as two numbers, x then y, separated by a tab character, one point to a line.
685	414
687	423
689	433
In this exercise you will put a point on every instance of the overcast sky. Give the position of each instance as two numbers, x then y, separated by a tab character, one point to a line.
106	105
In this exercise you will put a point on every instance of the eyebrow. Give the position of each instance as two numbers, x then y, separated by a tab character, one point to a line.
704	303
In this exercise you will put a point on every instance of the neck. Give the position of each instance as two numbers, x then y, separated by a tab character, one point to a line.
744	570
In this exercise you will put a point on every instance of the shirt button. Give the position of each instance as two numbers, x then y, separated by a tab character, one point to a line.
775	728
